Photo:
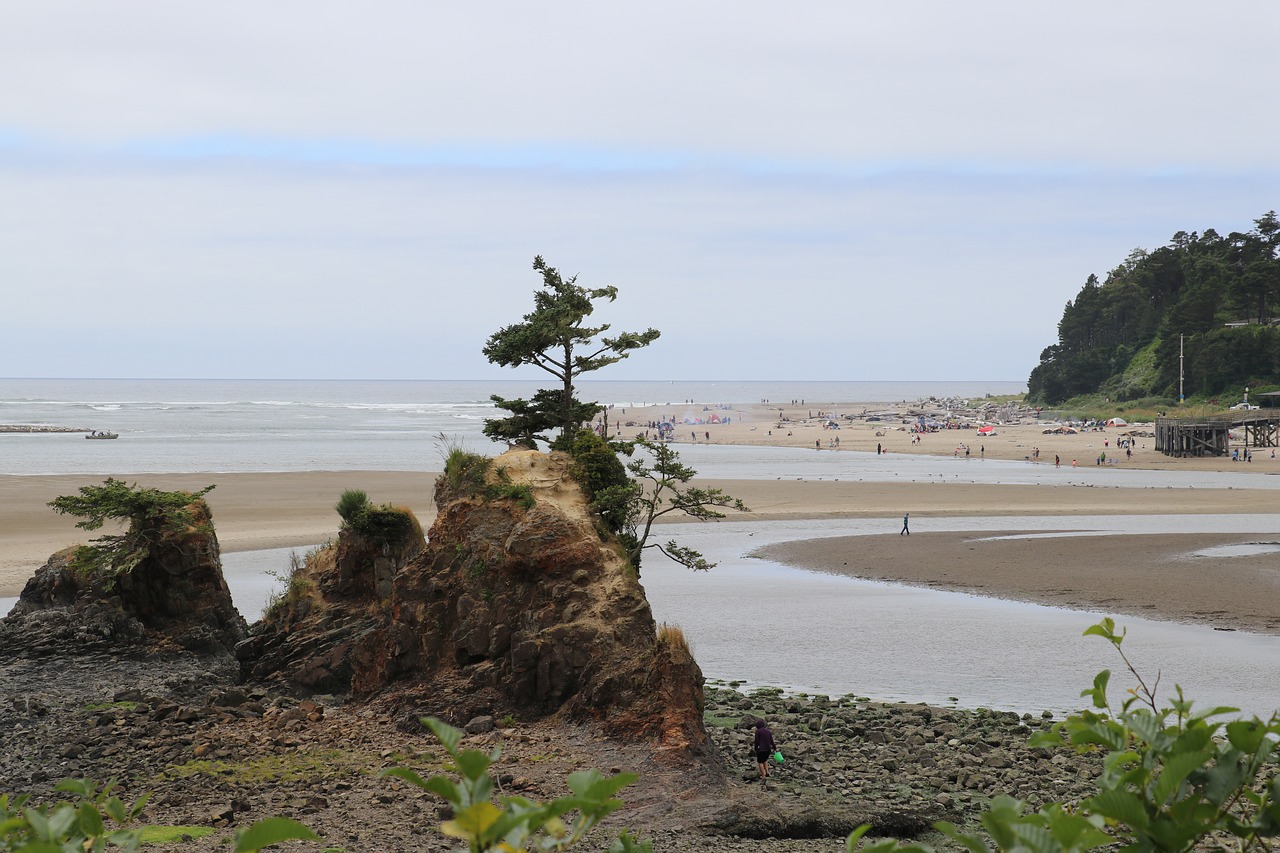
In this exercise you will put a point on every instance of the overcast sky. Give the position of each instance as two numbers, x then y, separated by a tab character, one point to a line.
808	190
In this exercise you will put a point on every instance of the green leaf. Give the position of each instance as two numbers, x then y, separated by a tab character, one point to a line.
851	842
1035	839
83	788
1176	769
1107	630
1072	831
116	810
1121	806
1216	711
91	820
438	785
447	734
473	822
270	831
1098	692
472	763
592	785
1246	735
1148	727
1045	740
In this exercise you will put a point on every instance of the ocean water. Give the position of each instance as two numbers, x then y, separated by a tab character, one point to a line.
274	425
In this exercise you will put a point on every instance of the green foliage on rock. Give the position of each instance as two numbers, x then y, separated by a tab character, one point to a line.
660	488
553	337
630	497
381	524
603	477
351	503
466	471
1189	289
152	515
1173	779
517	823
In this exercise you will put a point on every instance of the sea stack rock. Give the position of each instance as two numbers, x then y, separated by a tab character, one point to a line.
520	603
174	598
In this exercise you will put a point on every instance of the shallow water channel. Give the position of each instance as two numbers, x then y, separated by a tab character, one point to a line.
755	620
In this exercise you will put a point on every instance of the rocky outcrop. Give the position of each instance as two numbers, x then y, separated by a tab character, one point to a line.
174	599
336	597
519	604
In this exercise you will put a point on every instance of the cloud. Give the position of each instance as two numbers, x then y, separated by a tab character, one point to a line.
826	191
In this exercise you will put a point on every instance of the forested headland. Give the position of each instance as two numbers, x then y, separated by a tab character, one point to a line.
1213	299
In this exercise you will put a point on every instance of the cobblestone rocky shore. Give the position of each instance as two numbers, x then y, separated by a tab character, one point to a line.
217	755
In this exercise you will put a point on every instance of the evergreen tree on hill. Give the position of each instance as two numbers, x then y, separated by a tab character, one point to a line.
1120	337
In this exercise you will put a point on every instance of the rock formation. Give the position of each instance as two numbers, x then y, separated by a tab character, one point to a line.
174	598
337	596
518	604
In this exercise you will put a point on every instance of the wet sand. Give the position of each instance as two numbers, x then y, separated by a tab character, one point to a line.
1151	575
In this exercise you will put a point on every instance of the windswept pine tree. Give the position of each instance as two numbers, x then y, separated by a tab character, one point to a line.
1219	295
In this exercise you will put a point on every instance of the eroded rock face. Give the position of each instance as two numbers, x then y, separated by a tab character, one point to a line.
508	609
175	599
341	594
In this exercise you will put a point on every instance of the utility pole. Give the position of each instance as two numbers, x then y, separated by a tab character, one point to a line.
1181	396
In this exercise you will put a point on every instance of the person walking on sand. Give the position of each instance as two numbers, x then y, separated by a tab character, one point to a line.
764	747
906	516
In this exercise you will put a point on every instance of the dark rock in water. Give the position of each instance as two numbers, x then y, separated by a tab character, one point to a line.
531	609
174	599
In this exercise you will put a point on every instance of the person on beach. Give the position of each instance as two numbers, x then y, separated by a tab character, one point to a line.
764	747
905	517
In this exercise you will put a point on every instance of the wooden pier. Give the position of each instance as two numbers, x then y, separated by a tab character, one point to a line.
1210	435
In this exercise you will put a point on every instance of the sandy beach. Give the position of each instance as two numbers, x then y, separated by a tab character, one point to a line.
258	511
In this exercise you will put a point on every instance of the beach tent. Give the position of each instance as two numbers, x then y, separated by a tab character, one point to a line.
987	430
1117	422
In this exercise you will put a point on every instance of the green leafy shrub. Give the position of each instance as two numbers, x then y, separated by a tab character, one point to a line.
1173	779
92	820
517	823
603	477
387	523
382	524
